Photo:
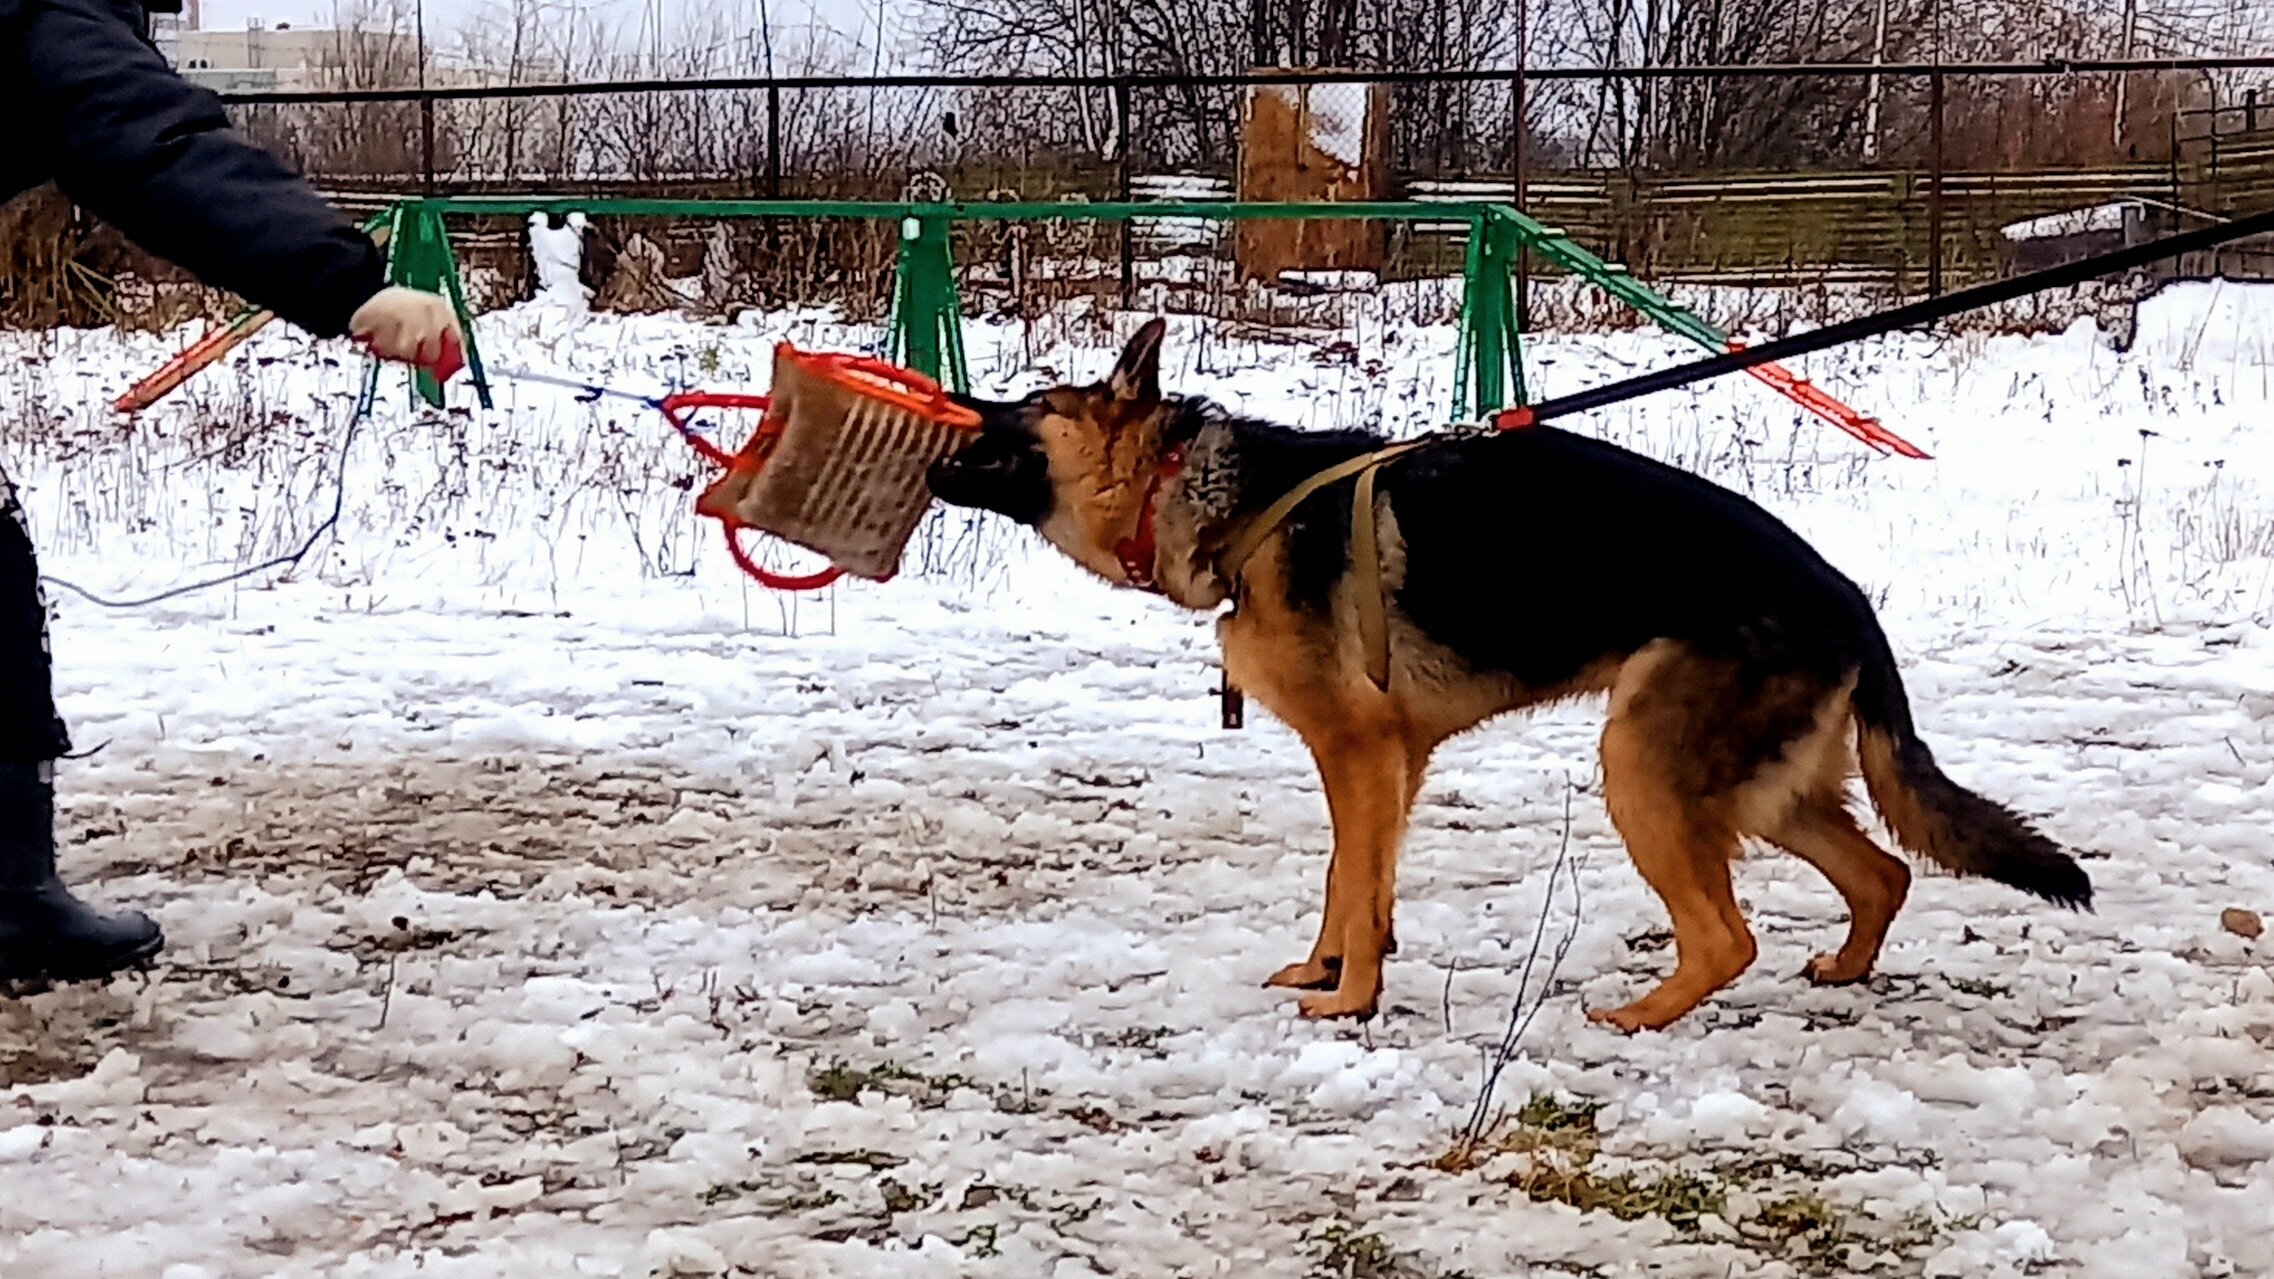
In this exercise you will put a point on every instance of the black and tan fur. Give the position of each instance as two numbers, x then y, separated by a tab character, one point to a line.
1747	678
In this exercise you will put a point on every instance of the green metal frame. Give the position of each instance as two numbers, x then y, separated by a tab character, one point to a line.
927	319
927	313
1612	278
419	256
1490	340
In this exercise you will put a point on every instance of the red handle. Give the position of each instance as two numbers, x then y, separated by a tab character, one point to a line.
813	581
676	406
675	409
914	391
450	360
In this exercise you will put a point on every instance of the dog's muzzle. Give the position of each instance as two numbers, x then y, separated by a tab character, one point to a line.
1001	471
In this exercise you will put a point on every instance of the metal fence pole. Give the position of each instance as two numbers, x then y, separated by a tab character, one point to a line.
773	142
1934	185
1518	156
426	143
2174	197
1122	111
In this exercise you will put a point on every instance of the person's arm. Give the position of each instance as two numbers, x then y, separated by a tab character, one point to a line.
156	157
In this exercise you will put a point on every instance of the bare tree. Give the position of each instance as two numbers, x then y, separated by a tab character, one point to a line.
1188	124
1703	124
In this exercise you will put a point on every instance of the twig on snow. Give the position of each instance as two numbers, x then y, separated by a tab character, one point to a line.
1529	998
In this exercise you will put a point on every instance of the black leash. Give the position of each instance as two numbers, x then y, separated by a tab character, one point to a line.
1902	317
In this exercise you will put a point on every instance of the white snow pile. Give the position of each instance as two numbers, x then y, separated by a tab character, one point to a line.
1333	116
1179	188
1338	123
544	900
2052	226
558	255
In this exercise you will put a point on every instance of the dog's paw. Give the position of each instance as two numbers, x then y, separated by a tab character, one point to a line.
1311	974
1634	1017
1338	1004
1827	970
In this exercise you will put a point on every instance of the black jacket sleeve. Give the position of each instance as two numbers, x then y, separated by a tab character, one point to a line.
156	157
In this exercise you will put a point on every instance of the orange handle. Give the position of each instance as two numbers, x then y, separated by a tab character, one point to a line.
866	375
905	388
675	408
181	368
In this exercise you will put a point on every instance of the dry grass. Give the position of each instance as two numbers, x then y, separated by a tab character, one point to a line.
1552	1151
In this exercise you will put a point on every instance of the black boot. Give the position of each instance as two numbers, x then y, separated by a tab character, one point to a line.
46	934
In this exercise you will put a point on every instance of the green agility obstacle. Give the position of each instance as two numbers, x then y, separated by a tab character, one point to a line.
927	312
926	324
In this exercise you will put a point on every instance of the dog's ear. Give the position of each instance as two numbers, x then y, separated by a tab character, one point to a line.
1137	375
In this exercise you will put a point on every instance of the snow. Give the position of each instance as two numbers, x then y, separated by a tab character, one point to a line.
1180	188
1334	117
558	253
545	900
2052	226
1338	123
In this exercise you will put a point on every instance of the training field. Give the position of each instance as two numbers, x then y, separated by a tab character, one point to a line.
545	900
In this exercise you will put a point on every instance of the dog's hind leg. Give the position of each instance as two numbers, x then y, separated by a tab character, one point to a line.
1684	855
1668	771
1797	803
1874	883
1417	773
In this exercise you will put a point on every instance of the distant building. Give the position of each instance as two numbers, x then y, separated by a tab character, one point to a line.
293	58
285	58
165	32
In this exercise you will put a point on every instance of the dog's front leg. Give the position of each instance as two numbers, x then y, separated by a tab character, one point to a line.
1367	777
1324	966
1322	970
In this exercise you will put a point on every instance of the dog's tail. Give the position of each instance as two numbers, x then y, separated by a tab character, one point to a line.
1936	817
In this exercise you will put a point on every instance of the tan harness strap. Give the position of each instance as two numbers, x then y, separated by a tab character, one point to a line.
1365	547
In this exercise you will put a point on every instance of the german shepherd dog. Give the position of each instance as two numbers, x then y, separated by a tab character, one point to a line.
1747	678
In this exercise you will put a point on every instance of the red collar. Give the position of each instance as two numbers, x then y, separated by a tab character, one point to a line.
1138	552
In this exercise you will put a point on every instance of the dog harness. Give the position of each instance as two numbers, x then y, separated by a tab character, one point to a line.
1365	548
1139	553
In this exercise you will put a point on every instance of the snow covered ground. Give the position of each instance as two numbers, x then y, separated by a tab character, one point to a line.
544	901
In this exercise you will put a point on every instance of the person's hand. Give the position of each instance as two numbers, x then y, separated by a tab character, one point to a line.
407	325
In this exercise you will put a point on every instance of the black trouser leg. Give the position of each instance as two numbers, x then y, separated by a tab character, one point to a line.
30	729
45	932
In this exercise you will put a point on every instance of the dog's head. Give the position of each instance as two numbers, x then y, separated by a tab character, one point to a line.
1072	462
